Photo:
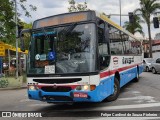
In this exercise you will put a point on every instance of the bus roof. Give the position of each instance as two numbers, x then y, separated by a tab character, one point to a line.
64	18
76	17
105	18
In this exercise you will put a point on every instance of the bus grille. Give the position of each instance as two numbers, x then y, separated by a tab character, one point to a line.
57	81
56	89
57	98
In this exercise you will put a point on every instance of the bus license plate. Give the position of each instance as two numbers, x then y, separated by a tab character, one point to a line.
80	95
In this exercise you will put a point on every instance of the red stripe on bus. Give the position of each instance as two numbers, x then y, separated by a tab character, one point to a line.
108	73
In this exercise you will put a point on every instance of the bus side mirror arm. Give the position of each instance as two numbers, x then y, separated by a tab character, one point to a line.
22	40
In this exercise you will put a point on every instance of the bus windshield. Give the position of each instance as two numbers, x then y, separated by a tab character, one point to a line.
60	50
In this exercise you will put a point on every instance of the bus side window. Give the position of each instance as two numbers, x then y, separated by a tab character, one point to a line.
136	47
102	47
116	43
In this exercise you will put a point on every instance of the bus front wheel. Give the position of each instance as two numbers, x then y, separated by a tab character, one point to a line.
115	95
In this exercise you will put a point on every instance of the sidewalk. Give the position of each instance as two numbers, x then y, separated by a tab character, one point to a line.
12	83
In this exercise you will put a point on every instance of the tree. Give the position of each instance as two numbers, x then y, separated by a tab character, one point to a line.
24	6
135	26
7	23
148	8
74	7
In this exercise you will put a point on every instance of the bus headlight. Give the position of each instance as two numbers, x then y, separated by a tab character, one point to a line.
32	87
86	87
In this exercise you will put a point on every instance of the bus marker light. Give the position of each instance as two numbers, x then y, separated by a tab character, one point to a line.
92	87
80	95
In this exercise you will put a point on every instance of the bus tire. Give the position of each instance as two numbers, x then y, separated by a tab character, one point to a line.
136	79
115	95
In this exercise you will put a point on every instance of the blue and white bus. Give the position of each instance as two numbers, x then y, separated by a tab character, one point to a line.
80	57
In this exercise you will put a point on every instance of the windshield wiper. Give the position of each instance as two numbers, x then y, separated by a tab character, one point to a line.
67	29
62	33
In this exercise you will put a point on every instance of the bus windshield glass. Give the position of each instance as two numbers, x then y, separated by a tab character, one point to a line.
60	50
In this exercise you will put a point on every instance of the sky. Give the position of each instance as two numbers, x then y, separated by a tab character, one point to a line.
52	7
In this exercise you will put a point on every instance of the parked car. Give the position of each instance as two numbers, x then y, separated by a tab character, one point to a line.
147	64
155	66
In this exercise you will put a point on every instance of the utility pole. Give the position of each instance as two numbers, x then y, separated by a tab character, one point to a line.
16	39
120	10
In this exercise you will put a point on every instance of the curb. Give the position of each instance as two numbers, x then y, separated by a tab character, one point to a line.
13	88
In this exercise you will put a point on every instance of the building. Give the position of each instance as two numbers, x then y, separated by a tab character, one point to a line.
156	48
146	48
157	36
7	53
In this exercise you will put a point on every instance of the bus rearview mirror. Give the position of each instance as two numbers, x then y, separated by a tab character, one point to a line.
22	38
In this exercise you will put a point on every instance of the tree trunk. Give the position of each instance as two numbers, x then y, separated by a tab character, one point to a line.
150	40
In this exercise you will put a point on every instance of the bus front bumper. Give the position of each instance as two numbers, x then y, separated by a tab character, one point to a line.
72	96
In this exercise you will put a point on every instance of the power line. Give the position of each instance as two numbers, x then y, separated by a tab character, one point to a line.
127	14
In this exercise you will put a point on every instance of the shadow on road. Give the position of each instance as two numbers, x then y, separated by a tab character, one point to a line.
71	110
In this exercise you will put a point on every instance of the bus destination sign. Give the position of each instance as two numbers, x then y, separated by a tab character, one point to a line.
61	19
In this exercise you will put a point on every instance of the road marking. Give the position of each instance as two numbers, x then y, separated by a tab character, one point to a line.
135	92
25	100
44	104
131	106
139	99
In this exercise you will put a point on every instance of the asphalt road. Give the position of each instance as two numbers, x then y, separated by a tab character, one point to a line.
141	96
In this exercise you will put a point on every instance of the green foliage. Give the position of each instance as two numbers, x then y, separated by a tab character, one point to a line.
135	26
24	6
148	8
74	7
7	17
7	24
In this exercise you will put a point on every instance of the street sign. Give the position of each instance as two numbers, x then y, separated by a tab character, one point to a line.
2	50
